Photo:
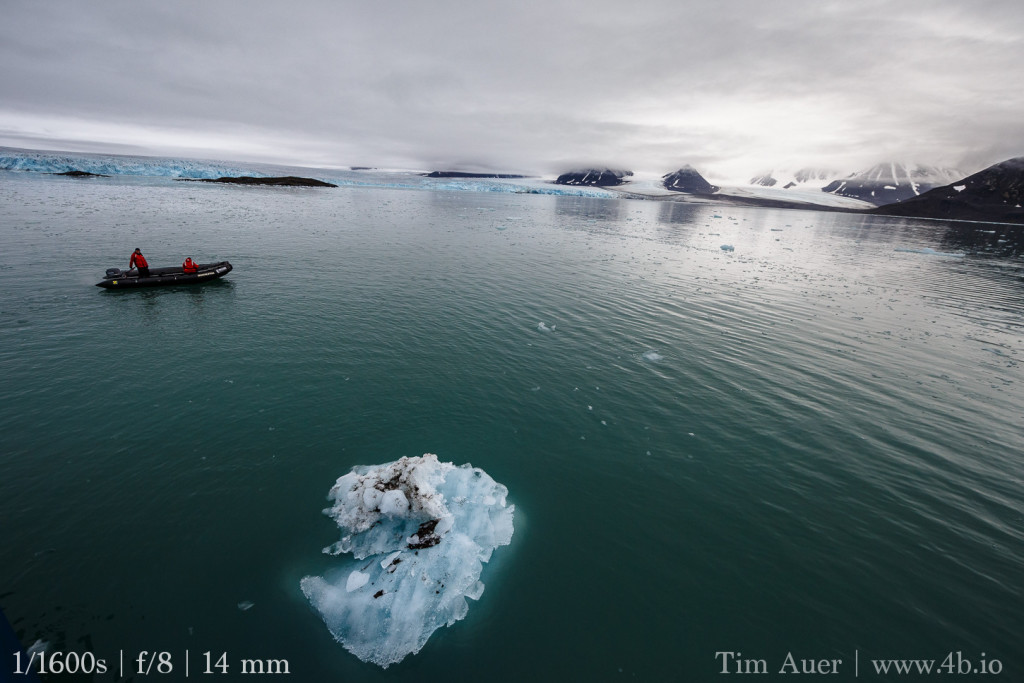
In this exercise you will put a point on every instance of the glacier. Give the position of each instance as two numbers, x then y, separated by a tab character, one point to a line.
415	535
113	164
12	159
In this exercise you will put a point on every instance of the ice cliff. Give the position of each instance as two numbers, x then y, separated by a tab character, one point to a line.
112	164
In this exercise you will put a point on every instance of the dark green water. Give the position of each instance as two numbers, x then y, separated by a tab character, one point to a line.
811	444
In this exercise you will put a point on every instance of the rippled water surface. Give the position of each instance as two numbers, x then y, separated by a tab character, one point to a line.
812	443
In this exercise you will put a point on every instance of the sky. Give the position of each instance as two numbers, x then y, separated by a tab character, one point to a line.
733	87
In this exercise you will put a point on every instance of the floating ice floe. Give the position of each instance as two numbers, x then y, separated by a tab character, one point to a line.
541	327
652	356
418	531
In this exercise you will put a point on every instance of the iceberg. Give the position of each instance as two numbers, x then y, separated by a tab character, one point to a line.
416	533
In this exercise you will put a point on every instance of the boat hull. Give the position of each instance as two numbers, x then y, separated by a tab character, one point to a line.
165	277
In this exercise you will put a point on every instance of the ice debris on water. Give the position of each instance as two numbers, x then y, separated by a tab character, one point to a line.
541	327
246	605
652	356
37	648
931	252
417	532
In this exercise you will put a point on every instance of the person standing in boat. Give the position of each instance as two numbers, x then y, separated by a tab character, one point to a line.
189	267
138	260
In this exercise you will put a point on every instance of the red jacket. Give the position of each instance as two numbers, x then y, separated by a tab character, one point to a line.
138	260
189	266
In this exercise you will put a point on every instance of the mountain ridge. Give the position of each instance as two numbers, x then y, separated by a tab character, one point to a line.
891	181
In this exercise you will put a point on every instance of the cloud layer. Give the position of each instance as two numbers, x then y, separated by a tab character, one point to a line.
733	87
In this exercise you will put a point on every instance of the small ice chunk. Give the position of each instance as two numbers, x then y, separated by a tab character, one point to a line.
356	580
653	356
37	648
959	188
246	605
541	327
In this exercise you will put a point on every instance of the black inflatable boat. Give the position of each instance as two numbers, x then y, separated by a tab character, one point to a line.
161	277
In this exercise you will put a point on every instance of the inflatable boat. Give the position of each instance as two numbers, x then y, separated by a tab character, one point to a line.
161	277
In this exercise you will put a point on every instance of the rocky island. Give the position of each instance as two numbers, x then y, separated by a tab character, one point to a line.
290	181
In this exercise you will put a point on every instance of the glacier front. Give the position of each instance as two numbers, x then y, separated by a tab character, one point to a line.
416	532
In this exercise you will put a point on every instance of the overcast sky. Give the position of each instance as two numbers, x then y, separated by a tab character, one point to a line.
732	87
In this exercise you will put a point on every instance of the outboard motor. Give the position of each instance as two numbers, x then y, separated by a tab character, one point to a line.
112	273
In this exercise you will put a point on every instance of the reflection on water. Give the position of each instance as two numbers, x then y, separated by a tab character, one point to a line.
992	240
683	213
589	208
820	427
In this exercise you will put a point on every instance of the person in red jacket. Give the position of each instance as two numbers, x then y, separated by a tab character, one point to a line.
189	267
138	260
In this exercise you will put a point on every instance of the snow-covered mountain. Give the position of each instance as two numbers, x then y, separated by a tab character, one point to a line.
891	182
687	179
596	177
994	194
804	177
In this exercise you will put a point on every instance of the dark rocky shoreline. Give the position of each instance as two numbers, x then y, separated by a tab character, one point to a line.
81	174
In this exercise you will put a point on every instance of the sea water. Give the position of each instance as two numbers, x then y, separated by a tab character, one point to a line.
809	444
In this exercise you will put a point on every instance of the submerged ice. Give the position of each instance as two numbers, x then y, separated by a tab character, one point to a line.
415	533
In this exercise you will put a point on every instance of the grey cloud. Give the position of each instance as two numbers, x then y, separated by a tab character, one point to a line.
528	85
